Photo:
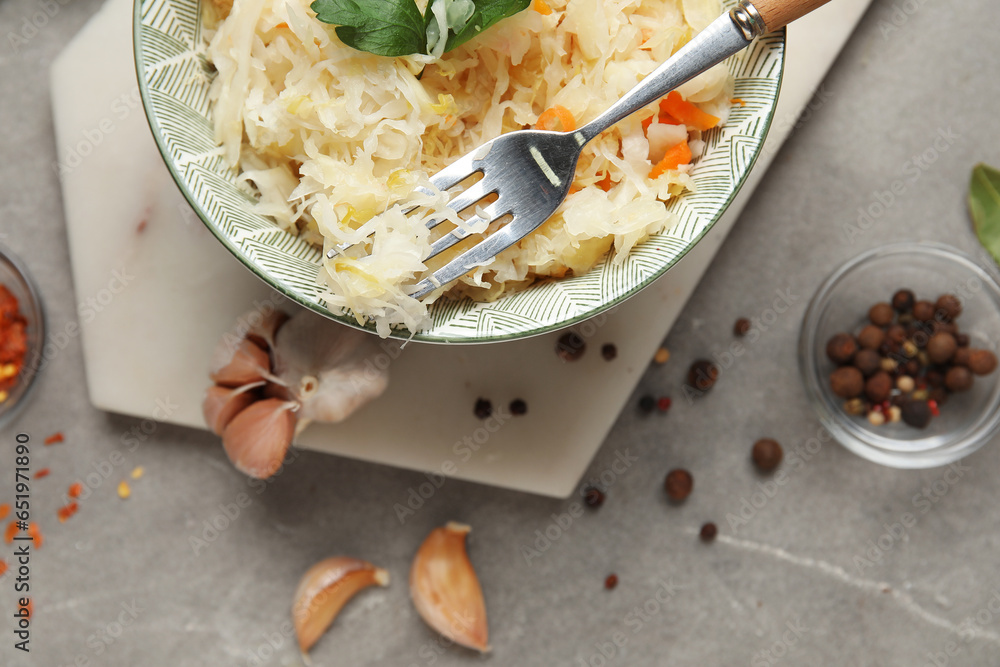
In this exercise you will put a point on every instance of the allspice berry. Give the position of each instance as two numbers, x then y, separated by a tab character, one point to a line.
867	361
941	347
702	375
881	314
958	378
916	413
896	334
678	484
923	311
948	306
878	387
767	454
841	348
982	362
847	382
902	301
961	356
871	337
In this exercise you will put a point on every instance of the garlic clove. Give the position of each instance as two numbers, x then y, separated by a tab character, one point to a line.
261	329
325	589
445	589
247	363
257	438
221	404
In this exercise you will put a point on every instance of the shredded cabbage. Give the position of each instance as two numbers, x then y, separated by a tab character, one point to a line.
335	140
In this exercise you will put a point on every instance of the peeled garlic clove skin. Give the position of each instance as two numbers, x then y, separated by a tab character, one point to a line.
325	589
247	363
330	369
221	404
257	438
445	589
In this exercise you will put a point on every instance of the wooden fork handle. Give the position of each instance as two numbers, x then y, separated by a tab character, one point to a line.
779	13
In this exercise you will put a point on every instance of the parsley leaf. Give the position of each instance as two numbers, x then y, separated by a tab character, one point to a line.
396	28
382	27
487	13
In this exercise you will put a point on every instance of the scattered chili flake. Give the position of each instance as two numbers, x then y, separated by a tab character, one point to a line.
54	438
123	490
137	472
66	511
4	510
662	356
933	405
11	531
609	351
483	408
611	581
75	489
44	472
3	567
36	535
663	403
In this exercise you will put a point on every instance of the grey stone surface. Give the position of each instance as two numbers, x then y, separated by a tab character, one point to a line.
786	581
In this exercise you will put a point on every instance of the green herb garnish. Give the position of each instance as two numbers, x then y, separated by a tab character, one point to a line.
984	205
396	28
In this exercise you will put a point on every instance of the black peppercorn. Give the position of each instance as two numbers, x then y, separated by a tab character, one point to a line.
916	413
767	454
518	407
593	497
609	351
902	301
678	484
483	408
570	346
742	327
647	404
948	307
841	348
708	532
702	375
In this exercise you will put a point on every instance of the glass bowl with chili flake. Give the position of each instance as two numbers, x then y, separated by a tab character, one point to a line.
908	417
22	335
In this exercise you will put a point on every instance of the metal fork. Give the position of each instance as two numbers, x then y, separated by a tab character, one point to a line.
530	171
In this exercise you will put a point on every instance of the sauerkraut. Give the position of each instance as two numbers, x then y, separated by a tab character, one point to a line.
332	139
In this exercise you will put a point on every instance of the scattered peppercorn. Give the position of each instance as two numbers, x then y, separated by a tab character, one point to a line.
593	497
902	301
609	351
949	306
611	581
702	375
847	382
483	408
708	532
841	348
767	454
742	327
646	404
916	413
664	403
982	362
518	407
881	314
678	484
570	347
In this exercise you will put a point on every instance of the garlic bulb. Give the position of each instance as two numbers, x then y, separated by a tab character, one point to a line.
257	438
325	589
445	589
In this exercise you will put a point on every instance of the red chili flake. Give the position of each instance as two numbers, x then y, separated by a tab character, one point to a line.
664	403
36	535
611	581
885	406
66	511
54	438
4	510
141	227
13	341
877	407
44	472
75	489
3	567
11	531
933	405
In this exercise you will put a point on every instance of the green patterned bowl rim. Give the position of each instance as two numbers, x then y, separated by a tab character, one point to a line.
735	147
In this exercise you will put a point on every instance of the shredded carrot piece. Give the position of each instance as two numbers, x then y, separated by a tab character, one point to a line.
673	158
687	113
552	118
36	535
11	531
605	183
3	567
75	489
646	123
66	511
541	7
737	100
54	438
282	25
4	510
574	188
44	472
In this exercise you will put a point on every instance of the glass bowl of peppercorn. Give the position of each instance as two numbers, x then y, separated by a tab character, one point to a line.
898	352
22	335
